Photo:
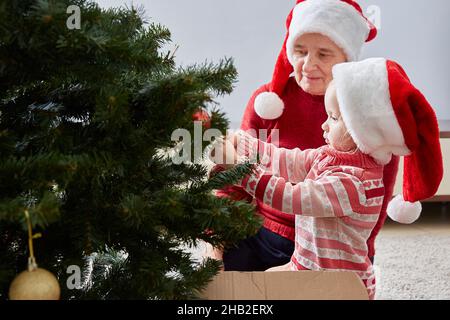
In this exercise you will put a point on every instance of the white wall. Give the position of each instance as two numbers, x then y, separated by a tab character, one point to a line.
413	32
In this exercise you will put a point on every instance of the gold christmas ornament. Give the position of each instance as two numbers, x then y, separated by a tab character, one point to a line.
34	283
38	284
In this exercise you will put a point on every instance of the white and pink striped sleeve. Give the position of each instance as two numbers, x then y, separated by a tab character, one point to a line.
290	164
336	195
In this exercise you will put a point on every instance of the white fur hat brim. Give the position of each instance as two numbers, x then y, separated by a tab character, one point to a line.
336	19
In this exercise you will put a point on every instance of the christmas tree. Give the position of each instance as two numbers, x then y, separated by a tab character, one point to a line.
89	99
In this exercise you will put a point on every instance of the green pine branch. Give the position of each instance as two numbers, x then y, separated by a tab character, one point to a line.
84	117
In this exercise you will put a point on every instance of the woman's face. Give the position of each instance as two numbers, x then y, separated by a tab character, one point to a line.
313	59
334	130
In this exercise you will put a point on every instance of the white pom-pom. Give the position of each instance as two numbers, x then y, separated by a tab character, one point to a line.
269	106
404	211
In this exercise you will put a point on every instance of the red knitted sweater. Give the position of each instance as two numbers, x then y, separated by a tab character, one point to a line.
300	127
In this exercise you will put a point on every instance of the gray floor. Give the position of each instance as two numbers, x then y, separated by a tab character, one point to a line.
413	261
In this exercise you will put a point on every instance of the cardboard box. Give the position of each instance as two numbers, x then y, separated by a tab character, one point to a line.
286	285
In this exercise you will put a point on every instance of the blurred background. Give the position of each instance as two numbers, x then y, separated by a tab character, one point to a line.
413	32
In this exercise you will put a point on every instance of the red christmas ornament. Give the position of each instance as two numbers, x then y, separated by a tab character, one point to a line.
209	232
203	116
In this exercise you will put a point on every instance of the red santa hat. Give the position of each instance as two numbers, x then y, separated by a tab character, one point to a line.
386	115
340	20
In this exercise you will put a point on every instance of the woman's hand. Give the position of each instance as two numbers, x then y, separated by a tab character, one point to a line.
213	253
284	267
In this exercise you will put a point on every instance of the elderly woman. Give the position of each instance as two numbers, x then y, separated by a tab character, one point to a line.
321	34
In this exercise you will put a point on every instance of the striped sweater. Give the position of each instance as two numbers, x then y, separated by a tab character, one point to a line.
336	197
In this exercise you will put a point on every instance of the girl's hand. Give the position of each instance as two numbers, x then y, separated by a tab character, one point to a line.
223	152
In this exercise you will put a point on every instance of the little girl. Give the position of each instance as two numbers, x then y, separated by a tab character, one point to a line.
336	191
